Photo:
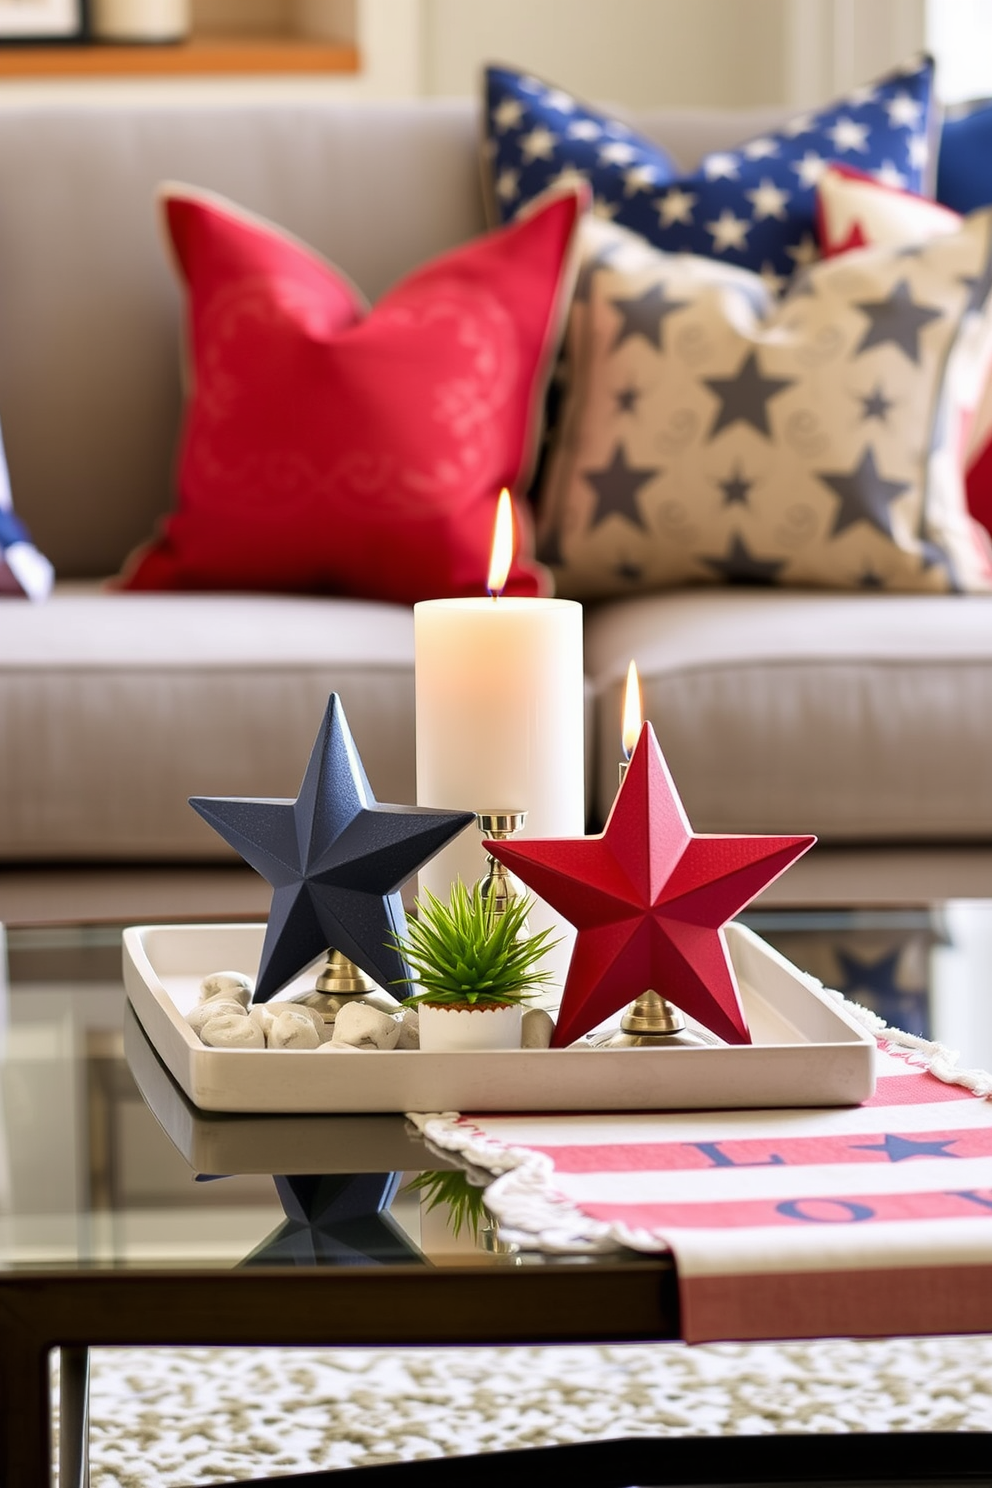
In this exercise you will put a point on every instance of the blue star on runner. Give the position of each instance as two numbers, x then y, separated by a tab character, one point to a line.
898	1149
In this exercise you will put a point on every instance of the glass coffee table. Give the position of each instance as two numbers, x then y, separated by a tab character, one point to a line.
323	1231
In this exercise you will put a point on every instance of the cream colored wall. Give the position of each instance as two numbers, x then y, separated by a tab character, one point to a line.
644	53
833	45
640	52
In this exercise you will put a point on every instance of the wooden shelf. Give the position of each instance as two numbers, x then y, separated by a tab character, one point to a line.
203	55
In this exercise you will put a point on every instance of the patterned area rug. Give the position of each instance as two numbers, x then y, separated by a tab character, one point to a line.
171	1418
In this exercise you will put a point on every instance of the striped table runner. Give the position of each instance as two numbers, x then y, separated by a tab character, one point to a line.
865	1221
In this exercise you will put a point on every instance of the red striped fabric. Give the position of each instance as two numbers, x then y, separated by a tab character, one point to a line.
867	1147
878	1217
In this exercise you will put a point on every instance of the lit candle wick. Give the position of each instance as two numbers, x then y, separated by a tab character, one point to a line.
502	549
632	716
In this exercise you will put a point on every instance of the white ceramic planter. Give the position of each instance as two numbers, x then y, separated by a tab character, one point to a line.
445	1030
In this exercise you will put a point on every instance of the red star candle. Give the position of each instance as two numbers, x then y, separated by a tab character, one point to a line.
500	721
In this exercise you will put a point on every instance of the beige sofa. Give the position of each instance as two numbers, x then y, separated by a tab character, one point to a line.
863	718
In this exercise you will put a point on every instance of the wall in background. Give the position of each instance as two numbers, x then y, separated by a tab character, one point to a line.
640	52
833	45
652	53
730	53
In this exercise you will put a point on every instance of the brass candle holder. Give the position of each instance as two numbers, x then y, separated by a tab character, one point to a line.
498	886
649	1021
341	982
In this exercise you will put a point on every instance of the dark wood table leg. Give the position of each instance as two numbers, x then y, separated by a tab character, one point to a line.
74	1418
25	1421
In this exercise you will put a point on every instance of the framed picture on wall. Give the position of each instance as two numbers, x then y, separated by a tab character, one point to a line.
41	20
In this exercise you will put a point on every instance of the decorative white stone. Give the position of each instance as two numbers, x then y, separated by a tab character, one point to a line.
409	1030
291	1029
204	1011
367	1027
261	1015
227	986
232	1031
536	1028
309	1012
332	1048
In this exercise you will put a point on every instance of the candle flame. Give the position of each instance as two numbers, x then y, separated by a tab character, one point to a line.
502	551
632	714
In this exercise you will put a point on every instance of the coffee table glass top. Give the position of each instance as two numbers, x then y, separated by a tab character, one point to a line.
105	1164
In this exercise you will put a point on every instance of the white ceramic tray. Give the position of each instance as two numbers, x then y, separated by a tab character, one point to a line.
806	1051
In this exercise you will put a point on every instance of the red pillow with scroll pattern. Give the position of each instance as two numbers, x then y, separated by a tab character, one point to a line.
328	448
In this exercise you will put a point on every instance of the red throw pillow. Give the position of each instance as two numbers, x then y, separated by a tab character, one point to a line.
333	449
853	211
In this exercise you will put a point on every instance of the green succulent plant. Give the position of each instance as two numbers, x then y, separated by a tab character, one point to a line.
464	952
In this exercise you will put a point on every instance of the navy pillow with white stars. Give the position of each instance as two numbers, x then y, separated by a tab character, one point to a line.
754	205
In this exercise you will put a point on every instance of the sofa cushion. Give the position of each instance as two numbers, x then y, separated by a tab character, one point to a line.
752	204
854	211
332	449
115	709
710	433
858	717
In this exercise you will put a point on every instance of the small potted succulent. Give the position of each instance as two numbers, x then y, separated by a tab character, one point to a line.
474	967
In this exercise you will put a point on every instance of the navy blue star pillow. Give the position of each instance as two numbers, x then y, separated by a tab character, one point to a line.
754	206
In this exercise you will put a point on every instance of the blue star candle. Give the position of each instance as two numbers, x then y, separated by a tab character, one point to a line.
500	721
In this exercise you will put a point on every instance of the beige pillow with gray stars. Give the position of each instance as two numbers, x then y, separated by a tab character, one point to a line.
711	433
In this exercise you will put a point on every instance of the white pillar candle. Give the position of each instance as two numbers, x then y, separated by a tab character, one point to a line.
500	726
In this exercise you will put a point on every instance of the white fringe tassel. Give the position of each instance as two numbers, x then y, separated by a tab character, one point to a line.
940	1061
